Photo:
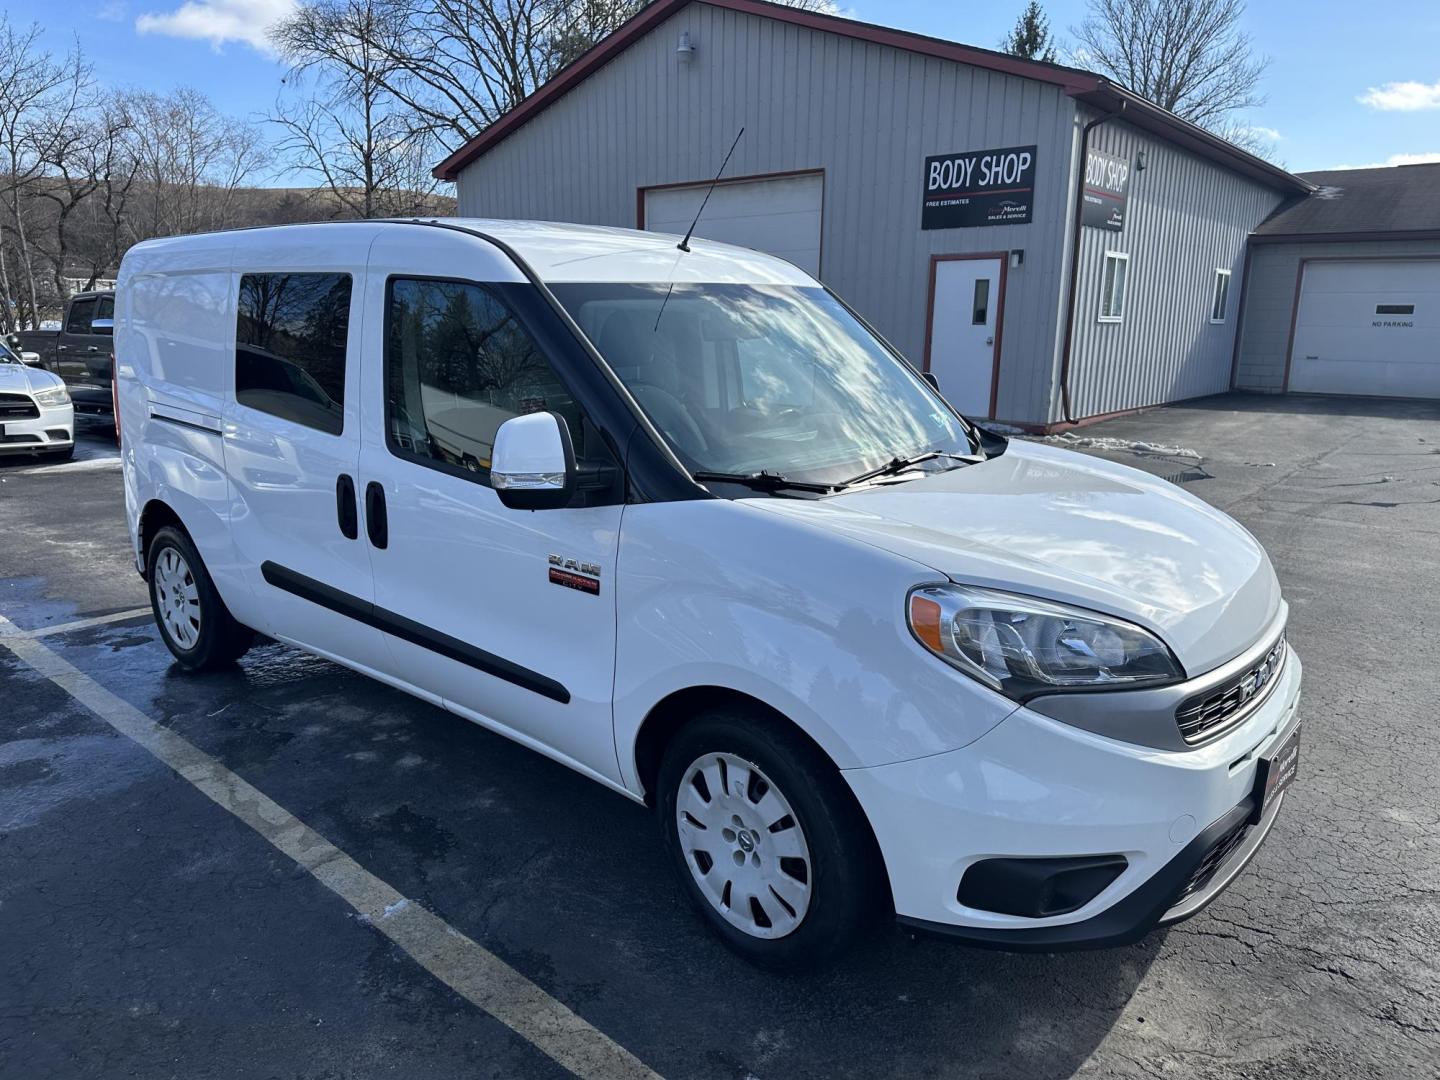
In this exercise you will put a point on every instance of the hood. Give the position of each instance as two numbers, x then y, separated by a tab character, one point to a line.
1057	524
24	379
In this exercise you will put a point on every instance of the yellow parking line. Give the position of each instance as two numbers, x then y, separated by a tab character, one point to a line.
469	969
82	624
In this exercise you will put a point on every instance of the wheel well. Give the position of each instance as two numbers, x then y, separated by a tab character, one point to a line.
153	518
670	714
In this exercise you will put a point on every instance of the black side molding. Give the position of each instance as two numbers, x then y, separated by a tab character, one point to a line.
184	423
342	603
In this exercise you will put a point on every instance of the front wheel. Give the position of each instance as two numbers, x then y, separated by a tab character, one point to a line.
767	840
195	623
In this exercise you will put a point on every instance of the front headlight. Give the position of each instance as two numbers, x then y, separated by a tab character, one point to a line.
55	395
1023	647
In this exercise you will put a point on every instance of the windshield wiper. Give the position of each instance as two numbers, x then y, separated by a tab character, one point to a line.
764	480
900	464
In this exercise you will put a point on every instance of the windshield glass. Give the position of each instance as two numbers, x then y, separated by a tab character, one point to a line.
751	378
6	356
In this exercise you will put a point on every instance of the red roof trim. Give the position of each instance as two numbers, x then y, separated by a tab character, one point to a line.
657	12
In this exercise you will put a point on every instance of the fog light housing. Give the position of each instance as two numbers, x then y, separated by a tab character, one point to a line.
1038	888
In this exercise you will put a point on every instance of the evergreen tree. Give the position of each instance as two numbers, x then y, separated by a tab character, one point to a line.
1031	39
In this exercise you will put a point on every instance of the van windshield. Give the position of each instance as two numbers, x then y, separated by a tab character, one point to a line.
744	379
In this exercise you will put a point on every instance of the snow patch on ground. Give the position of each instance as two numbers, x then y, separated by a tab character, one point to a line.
1128	446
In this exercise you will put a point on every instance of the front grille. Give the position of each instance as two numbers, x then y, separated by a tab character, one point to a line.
20	439
1214	858
1206	715
18	407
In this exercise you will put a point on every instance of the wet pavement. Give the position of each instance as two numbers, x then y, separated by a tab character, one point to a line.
145	931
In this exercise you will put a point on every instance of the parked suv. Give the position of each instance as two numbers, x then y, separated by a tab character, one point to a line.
681	521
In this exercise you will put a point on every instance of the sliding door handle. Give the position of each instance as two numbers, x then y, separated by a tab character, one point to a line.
376	524
345	511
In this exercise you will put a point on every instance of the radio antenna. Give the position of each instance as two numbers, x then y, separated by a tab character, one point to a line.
684	244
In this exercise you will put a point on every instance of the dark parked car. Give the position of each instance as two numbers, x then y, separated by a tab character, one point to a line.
81	352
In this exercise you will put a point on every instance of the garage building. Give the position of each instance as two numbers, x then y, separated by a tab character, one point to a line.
1343	288
943	190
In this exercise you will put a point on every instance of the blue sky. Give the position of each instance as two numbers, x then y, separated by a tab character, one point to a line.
1348	84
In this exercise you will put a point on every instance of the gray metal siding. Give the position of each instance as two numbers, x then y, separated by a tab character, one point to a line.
866	114
1185	218
1270	300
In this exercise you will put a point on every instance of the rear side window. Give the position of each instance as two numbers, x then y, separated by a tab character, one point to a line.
290	347
81	312
458	364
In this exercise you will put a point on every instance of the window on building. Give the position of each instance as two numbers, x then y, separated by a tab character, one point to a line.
1112	286
1220	299
980	309
458	364
290	347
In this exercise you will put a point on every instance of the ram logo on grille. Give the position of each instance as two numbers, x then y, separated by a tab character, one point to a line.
1207	715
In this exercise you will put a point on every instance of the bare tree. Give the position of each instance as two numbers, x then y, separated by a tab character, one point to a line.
80	157
343	125
453	67
1188	56
190	163
40	96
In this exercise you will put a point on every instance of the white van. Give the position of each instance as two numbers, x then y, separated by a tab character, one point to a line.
681	521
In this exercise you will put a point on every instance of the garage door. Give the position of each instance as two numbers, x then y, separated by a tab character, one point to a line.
1368	328
780	215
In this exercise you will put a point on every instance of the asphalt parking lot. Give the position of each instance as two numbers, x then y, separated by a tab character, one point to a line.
147	930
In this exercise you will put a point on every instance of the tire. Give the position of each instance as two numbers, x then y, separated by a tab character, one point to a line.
197	627
823	875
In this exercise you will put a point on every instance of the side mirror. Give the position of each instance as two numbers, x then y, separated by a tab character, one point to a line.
929	376
102	326
532	465
31	358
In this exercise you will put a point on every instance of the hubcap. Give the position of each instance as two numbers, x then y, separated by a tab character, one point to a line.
744	845
177	598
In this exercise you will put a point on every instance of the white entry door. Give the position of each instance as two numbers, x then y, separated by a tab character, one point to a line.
1368	327
779	215
964	316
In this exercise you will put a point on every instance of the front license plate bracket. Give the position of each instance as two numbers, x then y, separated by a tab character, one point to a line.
1275	772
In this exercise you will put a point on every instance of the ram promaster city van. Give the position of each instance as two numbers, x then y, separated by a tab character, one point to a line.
681	521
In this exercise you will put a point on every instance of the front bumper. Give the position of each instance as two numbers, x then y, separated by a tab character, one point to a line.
53	429
1036	788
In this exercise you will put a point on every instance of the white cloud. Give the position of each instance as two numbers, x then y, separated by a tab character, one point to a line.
220	21
1268	133
1431	158
112	11
1402	96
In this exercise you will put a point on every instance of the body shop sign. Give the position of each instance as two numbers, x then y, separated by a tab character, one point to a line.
979	187
1106	178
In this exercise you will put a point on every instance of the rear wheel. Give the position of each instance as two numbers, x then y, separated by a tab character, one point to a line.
197	627
767	840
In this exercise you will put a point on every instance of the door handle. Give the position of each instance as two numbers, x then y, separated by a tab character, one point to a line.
91	348
62	348
345	506
377	527
989	341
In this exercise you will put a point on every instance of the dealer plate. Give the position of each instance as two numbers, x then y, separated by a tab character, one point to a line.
1277	771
